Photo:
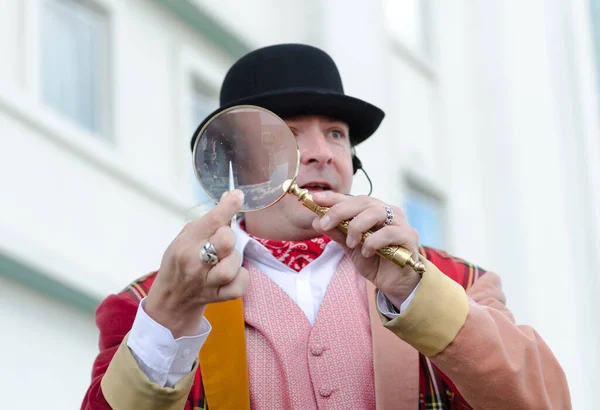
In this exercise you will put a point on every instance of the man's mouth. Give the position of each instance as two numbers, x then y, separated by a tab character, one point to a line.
317	186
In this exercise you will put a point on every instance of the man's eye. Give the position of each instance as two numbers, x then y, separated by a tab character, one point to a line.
336	134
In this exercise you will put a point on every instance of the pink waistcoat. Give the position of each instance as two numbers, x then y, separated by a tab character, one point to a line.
294	365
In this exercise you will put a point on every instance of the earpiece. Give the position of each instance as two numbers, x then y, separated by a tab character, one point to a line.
356	163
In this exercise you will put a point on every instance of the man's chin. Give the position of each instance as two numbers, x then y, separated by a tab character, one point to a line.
298	214
304	216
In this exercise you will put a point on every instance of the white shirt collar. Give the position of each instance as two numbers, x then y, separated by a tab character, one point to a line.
242	238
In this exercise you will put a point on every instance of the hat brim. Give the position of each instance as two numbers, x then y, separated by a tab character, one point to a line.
362	118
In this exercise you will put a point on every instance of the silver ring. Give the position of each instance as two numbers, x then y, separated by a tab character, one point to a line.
208	254
389	217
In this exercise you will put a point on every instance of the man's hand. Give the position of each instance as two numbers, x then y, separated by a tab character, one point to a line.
184	284
367	213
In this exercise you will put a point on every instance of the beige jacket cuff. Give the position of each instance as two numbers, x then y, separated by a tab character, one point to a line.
126	387
434	316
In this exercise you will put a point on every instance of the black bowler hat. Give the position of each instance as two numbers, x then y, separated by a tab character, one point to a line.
295	79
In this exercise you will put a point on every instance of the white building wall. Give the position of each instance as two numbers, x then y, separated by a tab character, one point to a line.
500	124
47	350
264	22
530	136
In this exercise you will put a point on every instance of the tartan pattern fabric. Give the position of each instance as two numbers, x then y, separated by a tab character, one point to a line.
436	390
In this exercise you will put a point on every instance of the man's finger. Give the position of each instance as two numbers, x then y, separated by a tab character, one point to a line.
329	198
225	271
223	240
236	288
221	214
347	210
403	235
335	234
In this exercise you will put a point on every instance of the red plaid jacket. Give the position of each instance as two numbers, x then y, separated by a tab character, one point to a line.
115	316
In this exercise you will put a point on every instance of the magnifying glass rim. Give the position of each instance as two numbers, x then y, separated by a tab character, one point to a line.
226	110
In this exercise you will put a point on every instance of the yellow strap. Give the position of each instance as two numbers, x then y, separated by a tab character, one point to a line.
223	358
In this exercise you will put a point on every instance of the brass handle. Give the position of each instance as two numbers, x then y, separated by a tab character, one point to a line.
395	254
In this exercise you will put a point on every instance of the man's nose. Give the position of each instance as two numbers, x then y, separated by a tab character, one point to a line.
314	149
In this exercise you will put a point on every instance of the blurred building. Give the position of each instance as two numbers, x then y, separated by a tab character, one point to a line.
491	143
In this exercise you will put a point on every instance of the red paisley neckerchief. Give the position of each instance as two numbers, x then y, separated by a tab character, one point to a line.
295	254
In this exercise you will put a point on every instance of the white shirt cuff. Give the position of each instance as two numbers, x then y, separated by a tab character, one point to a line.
388	309
162	358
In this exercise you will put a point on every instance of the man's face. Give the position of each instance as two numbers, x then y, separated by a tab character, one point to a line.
325	157
325	164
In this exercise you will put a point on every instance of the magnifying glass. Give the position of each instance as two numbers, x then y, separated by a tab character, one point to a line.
252	149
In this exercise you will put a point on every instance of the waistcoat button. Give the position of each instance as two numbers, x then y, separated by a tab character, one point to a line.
317	350
325	391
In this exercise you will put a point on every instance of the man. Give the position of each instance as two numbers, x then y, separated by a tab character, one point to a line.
298	326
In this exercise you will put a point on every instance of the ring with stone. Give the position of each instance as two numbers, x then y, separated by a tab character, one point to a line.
389	217
208	254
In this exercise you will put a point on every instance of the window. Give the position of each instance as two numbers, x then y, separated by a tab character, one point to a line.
409	21
74	62
202	102
425	213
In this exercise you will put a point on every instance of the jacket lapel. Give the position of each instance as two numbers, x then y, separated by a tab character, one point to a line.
395	362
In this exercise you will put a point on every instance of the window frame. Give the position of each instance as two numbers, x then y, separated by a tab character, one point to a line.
424	61
194	67
427	188
106	98
25	100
